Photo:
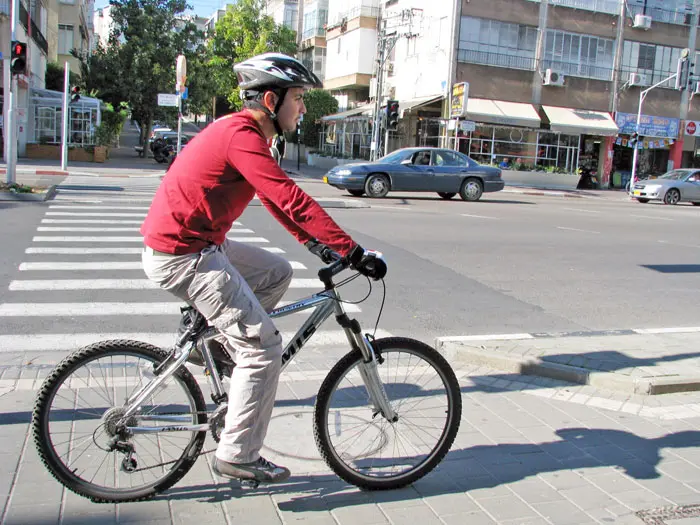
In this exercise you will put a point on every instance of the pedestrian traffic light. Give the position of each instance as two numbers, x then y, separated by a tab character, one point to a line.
18	60
75	94
683	70
392	114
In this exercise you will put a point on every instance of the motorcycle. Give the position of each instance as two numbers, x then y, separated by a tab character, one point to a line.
162	151
588	180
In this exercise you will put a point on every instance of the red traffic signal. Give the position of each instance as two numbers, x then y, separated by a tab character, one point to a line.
18	59
75	94
392	114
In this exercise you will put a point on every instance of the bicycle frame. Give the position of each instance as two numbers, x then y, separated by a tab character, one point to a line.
324	304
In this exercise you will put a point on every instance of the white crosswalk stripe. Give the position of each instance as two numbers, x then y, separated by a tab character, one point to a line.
101	265
93	228
116	284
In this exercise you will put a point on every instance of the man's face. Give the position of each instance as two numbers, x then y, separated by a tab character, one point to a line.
292	109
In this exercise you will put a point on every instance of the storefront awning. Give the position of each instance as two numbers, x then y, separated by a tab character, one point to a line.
502	112
415	103
580	121
360	111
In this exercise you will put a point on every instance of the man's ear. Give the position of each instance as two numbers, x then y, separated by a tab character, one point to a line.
269	100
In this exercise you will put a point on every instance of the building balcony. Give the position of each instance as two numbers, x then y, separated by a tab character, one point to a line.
346	16
351	81
37	36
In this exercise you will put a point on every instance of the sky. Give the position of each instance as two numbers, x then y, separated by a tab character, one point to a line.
204	8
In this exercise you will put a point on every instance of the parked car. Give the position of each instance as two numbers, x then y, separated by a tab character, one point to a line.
443	171
681	185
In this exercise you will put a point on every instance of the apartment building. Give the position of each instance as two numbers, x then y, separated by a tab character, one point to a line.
75	30
284	12
552	83
312	40
557	83
32	28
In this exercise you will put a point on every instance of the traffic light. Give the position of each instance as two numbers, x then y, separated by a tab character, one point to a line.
18	61
75	94
683	71
392	114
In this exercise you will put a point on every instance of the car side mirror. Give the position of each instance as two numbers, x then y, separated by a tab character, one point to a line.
406	162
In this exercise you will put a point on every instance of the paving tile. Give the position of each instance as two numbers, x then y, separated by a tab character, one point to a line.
368	514
562	513
421	514
504	508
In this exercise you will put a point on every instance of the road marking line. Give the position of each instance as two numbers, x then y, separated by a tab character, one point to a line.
478	216
248	239
87	239
678	330
679	244
29	285
79	214
651	217
101	265
274	250
66	342
582	211
97	208
83	229
90	221
576	230
84	251
486	337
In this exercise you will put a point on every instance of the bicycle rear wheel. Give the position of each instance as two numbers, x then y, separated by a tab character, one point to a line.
364	448
77	421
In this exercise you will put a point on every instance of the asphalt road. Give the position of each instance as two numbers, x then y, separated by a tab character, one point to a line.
507	264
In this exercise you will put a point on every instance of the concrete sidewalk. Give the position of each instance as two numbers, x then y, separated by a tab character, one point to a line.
645	361
530	451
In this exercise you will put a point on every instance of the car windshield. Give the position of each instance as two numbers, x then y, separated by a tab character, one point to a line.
394	157
674	175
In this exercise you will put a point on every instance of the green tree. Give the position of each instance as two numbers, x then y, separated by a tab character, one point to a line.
55	76
153	33
244	31
319	103
100	73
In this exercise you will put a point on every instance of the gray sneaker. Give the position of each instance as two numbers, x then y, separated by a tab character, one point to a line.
261	470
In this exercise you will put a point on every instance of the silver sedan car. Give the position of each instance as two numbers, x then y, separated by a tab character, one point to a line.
681	185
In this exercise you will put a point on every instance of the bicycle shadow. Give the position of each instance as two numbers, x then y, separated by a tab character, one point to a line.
468	469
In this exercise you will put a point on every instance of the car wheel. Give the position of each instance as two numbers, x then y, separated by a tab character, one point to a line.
446	195
471	189
356	193
377	185
643	201
672	196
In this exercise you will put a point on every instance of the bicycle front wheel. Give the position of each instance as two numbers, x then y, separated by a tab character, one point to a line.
87	444
363	447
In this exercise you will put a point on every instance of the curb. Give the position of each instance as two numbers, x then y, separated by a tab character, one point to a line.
455	350
49	194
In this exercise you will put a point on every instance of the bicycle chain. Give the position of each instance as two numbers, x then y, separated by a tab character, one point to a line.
165	463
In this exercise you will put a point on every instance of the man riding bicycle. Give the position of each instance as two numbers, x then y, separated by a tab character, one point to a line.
234	285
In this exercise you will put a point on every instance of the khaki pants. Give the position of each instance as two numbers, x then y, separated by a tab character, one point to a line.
234	286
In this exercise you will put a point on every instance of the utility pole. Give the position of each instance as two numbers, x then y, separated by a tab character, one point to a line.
685	96
539	52
391	28
11	124
615	92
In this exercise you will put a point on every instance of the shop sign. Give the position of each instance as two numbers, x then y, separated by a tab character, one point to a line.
649	125
692	127
460	95
645	143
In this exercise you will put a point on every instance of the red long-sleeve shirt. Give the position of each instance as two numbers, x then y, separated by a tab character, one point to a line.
212	182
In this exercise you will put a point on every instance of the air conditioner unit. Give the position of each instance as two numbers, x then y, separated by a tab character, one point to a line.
553	78
642	22
638	79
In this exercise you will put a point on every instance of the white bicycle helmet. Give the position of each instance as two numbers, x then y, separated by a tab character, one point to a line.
272	72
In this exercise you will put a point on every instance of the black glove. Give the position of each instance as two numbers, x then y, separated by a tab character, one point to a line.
321	251
368	263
